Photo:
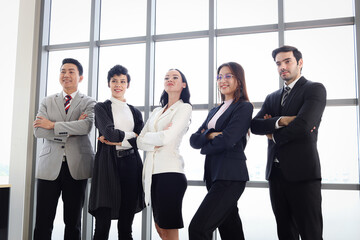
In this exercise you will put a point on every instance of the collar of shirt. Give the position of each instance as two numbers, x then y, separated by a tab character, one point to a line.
117	101
72	95
291	85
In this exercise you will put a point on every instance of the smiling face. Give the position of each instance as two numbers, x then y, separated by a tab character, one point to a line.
118	85
227	83
70	78
173	82
289	69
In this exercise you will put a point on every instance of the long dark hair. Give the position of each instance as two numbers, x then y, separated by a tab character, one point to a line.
185	93
238	71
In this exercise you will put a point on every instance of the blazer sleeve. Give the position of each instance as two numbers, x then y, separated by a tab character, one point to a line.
78	127
237	128
105	124
180	121
261	126
140	139
198	139
46	133
308	116
139	124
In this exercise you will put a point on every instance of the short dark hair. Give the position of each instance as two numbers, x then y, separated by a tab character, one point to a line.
286	48
75	62
118	70
238	71
185	93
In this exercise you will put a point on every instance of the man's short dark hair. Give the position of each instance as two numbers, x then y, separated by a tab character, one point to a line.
296	52
118	70
75	62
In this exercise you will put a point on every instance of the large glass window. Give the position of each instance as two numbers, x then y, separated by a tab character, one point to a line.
133	58
328	59
184	37
122	18
181	16
253	53
189	56
233	13
55	62
315	10
70	21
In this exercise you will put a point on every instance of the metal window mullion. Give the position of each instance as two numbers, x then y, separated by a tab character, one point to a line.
357	68
281	29
87	223
149	95
212	52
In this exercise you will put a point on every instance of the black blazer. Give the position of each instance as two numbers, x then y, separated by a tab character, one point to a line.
225	157
296	145
105	188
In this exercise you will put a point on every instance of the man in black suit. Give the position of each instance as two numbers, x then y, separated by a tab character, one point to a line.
290	118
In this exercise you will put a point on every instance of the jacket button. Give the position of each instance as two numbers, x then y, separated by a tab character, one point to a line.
62	146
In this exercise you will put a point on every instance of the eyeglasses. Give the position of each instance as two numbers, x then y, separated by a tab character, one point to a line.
225	77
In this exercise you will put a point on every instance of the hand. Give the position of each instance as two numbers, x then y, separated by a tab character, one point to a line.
203	130
42	122
286	120
212	135
269	136
103	140
267	116
168	126
82	116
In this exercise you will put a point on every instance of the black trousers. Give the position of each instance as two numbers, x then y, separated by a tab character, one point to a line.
219	210
296	206
48	193
129	184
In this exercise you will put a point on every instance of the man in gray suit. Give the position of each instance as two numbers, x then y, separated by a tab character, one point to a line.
65	162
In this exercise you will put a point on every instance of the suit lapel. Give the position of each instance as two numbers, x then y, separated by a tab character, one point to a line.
60	103
170	110
225	115
294	91
212	113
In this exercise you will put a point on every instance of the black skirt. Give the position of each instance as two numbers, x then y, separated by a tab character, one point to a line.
167	193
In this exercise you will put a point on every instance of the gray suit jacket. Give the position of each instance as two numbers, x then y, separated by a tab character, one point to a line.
69	137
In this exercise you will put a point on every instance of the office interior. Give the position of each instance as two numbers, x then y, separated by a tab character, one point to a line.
151	36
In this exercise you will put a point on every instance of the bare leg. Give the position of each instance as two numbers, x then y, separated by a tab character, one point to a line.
167	234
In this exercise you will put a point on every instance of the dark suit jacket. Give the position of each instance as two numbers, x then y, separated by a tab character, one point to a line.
105	188
295	145
225	157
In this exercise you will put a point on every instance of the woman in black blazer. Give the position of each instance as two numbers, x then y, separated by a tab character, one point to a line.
222	138
116	187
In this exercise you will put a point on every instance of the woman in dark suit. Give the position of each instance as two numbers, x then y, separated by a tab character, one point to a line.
222	138
116	188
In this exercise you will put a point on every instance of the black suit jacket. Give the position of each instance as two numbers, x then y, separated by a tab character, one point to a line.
225	157
105	188
295	145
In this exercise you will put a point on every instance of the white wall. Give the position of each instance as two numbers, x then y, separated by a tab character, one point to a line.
9	13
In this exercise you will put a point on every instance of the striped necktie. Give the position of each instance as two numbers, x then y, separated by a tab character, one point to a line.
285	95
67	103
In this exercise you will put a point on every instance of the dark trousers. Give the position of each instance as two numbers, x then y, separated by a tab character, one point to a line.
48	193
296	206
127	167
219	210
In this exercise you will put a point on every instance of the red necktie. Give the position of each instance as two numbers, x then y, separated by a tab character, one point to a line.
67	103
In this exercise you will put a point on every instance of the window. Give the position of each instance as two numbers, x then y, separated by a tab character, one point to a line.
196	37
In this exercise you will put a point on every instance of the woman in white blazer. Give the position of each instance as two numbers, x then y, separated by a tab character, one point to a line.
163	173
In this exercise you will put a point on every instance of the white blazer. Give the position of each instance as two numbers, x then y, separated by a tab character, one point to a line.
166	158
